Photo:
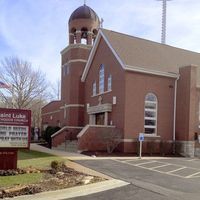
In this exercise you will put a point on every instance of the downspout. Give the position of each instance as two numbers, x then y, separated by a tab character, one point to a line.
174	122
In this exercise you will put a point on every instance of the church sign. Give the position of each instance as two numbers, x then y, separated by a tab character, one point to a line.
14	128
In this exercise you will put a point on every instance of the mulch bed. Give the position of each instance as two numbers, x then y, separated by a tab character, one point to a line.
53	179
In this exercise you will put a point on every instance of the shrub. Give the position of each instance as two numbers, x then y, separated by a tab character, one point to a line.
50	130
57	164
111	138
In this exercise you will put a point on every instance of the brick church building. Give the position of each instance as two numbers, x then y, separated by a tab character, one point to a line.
113	82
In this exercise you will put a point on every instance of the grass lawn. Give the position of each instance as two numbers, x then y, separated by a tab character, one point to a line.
28	158
36	159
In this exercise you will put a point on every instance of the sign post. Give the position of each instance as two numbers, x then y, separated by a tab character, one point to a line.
14	134
141	139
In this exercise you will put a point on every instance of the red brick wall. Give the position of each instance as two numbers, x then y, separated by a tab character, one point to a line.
111	66
150	147
72	89
197	122
186	117
51	113
137	86
92	139
78	51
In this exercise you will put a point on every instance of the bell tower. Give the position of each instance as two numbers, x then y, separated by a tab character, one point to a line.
83	27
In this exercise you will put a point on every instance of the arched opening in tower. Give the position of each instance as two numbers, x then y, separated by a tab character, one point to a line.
84	35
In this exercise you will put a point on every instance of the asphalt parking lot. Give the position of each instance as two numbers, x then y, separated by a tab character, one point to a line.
184	168
173	178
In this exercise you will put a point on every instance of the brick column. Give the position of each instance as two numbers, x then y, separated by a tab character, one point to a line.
89	38
186	110
78	37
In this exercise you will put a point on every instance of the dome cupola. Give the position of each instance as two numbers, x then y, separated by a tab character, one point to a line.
84	12
83	26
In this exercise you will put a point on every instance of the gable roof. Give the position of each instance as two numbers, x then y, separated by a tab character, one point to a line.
145	56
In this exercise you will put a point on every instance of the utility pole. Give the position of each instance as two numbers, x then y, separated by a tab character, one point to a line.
164	20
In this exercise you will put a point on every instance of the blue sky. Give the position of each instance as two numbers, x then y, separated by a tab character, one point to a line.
36	30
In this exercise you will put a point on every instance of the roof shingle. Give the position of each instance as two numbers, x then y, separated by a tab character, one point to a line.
150	55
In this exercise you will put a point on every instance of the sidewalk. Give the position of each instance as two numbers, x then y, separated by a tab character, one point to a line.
65	154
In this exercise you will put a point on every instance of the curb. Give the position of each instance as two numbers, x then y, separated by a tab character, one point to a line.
75	191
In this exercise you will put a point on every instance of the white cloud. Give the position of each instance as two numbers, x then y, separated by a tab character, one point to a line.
36	30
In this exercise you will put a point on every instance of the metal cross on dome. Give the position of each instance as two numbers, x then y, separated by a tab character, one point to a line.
84	2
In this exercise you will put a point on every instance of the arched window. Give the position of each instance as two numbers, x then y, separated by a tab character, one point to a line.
101	79
94	89
150	114
110	82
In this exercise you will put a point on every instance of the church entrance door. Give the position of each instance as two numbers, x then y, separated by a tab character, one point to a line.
99	118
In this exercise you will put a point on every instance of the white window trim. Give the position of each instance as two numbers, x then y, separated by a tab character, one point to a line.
94	90
151	118
109	82
101	93
101	79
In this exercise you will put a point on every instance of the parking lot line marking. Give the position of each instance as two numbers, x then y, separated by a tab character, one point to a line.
126	161
195	177
123	161
154	169
192	175
145	163
160	166
176	170
192	159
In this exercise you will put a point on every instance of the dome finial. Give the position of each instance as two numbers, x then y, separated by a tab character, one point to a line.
84	2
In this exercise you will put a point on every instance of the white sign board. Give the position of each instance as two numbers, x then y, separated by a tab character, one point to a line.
14	128
14	136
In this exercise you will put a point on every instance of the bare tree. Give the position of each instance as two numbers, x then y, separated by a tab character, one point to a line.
36	107
111	137
26	84
55	90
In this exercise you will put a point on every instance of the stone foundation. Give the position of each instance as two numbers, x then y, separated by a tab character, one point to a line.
185	148
197	148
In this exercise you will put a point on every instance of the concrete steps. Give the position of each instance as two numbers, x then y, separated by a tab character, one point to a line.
68	146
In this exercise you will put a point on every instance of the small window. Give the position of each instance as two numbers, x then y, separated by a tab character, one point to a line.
94	89
110	82
101	79
65	70
150	114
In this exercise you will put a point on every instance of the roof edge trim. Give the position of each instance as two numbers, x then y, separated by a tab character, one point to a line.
91	56
153	72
